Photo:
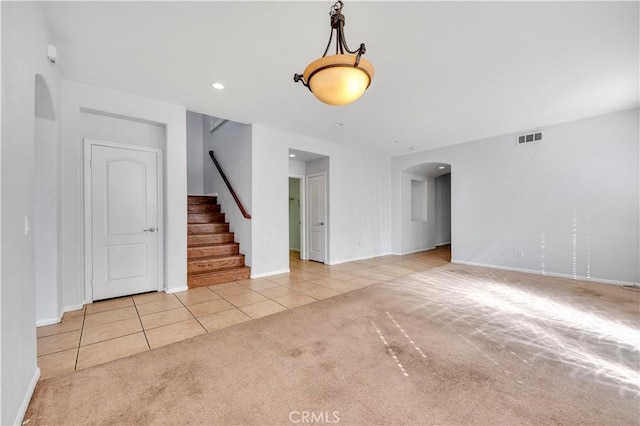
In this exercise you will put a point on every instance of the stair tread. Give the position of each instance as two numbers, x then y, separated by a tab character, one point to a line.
218	271
218	257
203	208
213	233
206	245
201	199
217	236
195	232
206	225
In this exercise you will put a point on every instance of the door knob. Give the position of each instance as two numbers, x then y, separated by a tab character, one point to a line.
152	229
321	224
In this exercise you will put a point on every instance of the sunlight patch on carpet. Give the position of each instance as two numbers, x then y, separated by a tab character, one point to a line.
592	344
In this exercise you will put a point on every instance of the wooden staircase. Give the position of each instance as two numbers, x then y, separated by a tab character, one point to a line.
213	257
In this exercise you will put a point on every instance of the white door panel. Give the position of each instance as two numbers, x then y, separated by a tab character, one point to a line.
124	219
317	221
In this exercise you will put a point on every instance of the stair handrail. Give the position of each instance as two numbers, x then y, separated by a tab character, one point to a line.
226	181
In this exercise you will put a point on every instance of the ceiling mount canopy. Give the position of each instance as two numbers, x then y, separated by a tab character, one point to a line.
342	78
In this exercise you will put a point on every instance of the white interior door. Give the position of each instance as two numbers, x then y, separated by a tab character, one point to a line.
124	221
317	217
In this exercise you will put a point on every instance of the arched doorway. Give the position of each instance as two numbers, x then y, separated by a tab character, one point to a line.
426	207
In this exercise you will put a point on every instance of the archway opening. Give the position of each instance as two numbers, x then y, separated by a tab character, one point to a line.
426	207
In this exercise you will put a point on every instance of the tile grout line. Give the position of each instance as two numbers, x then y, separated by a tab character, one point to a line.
139	317
191	313
144	333
84	316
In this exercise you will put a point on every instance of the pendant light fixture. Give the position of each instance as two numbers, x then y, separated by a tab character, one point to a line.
342	78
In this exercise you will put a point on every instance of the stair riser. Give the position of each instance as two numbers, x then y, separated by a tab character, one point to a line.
194	199
203	208
199	266
207	227
209	239
219	278
205	217
194	253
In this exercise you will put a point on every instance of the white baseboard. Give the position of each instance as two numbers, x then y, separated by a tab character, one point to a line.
27	398
355	259
175	290
72	308
49	321
57	320
417	250
269	274
546	273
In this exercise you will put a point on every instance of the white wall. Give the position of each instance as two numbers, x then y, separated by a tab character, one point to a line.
231	143
297	168
358	198
131	111
45	222
581	182
195	151
122	130
25	38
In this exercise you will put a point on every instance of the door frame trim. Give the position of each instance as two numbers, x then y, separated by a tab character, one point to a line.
89	143
303	216
326	215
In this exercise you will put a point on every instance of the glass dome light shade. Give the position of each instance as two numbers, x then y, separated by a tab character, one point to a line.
335	80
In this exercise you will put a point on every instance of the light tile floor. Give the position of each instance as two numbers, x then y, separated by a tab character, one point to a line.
116	328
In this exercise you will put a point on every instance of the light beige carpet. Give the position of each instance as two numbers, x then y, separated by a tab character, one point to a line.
453	345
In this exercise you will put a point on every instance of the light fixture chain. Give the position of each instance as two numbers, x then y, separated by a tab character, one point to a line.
336	9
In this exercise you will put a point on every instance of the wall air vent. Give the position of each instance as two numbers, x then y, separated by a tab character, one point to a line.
529	137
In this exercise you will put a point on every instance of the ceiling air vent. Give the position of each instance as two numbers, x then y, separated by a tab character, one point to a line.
529	137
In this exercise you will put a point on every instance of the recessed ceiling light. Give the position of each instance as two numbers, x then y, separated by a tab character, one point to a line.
291	155
339	124
441	167
218	86
394	142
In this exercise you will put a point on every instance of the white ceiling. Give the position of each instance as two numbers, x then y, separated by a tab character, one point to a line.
446	72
